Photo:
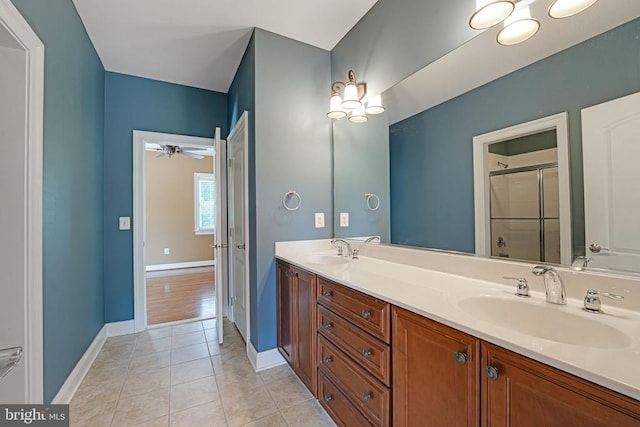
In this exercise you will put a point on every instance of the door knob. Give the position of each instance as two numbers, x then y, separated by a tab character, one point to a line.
241	246
596	248
460	357
9	357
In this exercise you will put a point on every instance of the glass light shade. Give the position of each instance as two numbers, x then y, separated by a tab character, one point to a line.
374	105
335	110
518	28
565	8
351	101
489	13
358	115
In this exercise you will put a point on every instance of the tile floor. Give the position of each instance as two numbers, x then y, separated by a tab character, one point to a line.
181	376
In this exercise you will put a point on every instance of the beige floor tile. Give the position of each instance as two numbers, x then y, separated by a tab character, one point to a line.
121	339
288	392
230	330
209	324
211	335
154	334
307	414
158	422
188	353
94	413
233	368
144	381
273	420
150	361
185	328
247	405
189	338
210	414
189	371
152	346
99	391
194	393
104	373
141	408
233	343
231	358
277	373
111	359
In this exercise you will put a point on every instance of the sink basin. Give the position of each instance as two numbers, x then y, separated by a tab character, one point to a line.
326	259
546	321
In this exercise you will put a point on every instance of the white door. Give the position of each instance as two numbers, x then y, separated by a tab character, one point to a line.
221	248
238	236
611	150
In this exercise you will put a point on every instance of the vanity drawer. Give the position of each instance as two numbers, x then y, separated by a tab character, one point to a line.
338	406
370	353
369	394
367	312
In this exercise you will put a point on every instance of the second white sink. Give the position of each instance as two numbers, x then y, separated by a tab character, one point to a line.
326	259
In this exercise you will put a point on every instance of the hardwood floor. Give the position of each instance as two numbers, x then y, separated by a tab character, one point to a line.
180	294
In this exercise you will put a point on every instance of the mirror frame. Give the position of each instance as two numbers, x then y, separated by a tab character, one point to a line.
481	193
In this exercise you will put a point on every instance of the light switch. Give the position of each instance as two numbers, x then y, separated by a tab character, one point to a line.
319	219
167	251
125	223
344	219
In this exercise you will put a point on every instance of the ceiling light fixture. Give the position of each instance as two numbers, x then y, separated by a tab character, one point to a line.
565	8
351	101
518	27
489	13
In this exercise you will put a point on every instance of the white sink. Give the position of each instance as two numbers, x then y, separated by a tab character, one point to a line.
326	259
544	320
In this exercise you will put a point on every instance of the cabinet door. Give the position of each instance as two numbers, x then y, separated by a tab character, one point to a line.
305	327
435	373
285	311
527	393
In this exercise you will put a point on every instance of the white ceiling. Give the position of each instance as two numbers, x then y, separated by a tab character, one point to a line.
200	43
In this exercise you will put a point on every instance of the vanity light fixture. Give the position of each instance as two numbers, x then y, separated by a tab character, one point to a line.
489	13
348	98
565	8
518	27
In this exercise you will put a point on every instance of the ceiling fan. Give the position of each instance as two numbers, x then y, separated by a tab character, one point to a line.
170	150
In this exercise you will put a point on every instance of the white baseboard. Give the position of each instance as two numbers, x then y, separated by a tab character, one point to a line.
73	381
125	327
265	359
158	267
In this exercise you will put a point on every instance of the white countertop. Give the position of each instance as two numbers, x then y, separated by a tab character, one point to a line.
437	295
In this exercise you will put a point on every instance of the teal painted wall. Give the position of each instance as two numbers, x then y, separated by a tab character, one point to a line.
431	152
73	184
148	105
292	151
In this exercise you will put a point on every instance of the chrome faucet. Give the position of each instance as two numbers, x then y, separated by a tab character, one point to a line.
554	287
372	239
580	263
346	244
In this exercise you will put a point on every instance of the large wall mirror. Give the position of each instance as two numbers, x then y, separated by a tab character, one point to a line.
429	152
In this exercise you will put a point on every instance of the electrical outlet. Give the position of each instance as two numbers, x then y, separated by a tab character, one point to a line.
167	251
344	219
319	219
124	223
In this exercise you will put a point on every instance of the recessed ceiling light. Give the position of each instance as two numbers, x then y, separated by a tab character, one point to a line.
565	8
489	13
518	28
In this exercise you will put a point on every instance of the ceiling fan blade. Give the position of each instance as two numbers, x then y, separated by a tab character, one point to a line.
188	154
192	148
160	155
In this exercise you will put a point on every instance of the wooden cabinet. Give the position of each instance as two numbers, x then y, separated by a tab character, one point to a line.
526	393
435	373
297	321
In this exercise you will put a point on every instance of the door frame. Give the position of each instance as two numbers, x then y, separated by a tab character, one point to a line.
13	21
243	123
140	139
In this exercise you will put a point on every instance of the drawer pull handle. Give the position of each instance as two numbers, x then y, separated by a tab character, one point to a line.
366	314
366	353
327	325
492	372
328	398
327	294
366	396
328	359
460	357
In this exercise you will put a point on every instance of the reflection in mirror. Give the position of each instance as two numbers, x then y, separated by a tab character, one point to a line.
521	191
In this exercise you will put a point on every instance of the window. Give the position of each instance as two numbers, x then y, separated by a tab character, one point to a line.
205	202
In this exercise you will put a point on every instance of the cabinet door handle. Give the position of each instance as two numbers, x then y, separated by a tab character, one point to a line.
366	353
460	357
328	359
327	325
366	396
492	372
327	294
328	398
366	314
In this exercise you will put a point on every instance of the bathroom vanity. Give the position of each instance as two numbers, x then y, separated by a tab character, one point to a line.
394	338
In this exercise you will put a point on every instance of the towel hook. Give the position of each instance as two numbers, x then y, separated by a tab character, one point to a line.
289	195
376	201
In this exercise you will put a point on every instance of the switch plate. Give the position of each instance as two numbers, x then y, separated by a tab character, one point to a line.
124	223
167	251
344	219
319	219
